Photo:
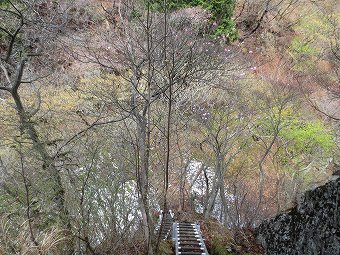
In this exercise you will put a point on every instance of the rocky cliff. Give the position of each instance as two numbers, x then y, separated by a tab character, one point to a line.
310	228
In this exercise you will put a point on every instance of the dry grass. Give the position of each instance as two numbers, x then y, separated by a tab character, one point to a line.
52	241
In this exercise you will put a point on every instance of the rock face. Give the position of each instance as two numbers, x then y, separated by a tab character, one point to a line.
310	228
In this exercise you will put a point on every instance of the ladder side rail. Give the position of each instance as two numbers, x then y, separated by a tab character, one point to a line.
175	237
201	239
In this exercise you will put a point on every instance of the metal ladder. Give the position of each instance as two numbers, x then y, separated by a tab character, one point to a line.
164	224
188	240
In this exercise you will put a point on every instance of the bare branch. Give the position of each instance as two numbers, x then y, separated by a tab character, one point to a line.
9	11
6	31
18	78
315	107
13	37
5	72
5	88
94	124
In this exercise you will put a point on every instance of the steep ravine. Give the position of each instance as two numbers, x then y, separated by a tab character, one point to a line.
310	228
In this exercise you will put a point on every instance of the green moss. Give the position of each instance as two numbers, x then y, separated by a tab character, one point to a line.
219	247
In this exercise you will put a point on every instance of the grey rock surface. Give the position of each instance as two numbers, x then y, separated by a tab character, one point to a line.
310	228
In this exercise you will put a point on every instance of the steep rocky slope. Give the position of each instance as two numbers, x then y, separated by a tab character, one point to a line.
312	227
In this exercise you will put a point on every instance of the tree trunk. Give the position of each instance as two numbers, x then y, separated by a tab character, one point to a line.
224	203
215	187
48	162
143	184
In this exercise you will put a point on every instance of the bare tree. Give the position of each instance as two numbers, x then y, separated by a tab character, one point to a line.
254	15
268	130
157	57
224	124
15	59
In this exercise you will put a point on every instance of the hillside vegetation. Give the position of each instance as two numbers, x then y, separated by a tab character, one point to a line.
223	111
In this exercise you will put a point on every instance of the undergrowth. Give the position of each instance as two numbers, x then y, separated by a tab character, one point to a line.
221	13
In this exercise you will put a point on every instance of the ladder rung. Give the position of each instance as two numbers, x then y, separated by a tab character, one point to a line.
189	238
191	253
189	243
190	248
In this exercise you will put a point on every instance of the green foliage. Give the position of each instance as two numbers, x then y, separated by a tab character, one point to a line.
4	3
301	145
308	136
304	53
7	204
228	28
221	11
314	33
302	47
135	14
303	136
2	36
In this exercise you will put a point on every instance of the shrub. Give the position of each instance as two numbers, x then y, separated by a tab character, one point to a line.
221	14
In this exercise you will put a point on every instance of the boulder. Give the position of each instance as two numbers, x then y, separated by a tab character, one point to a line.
312	227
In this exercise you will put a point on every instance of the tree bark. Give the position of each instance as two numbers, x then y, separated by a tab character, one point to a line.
143	184
48	162
215	187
